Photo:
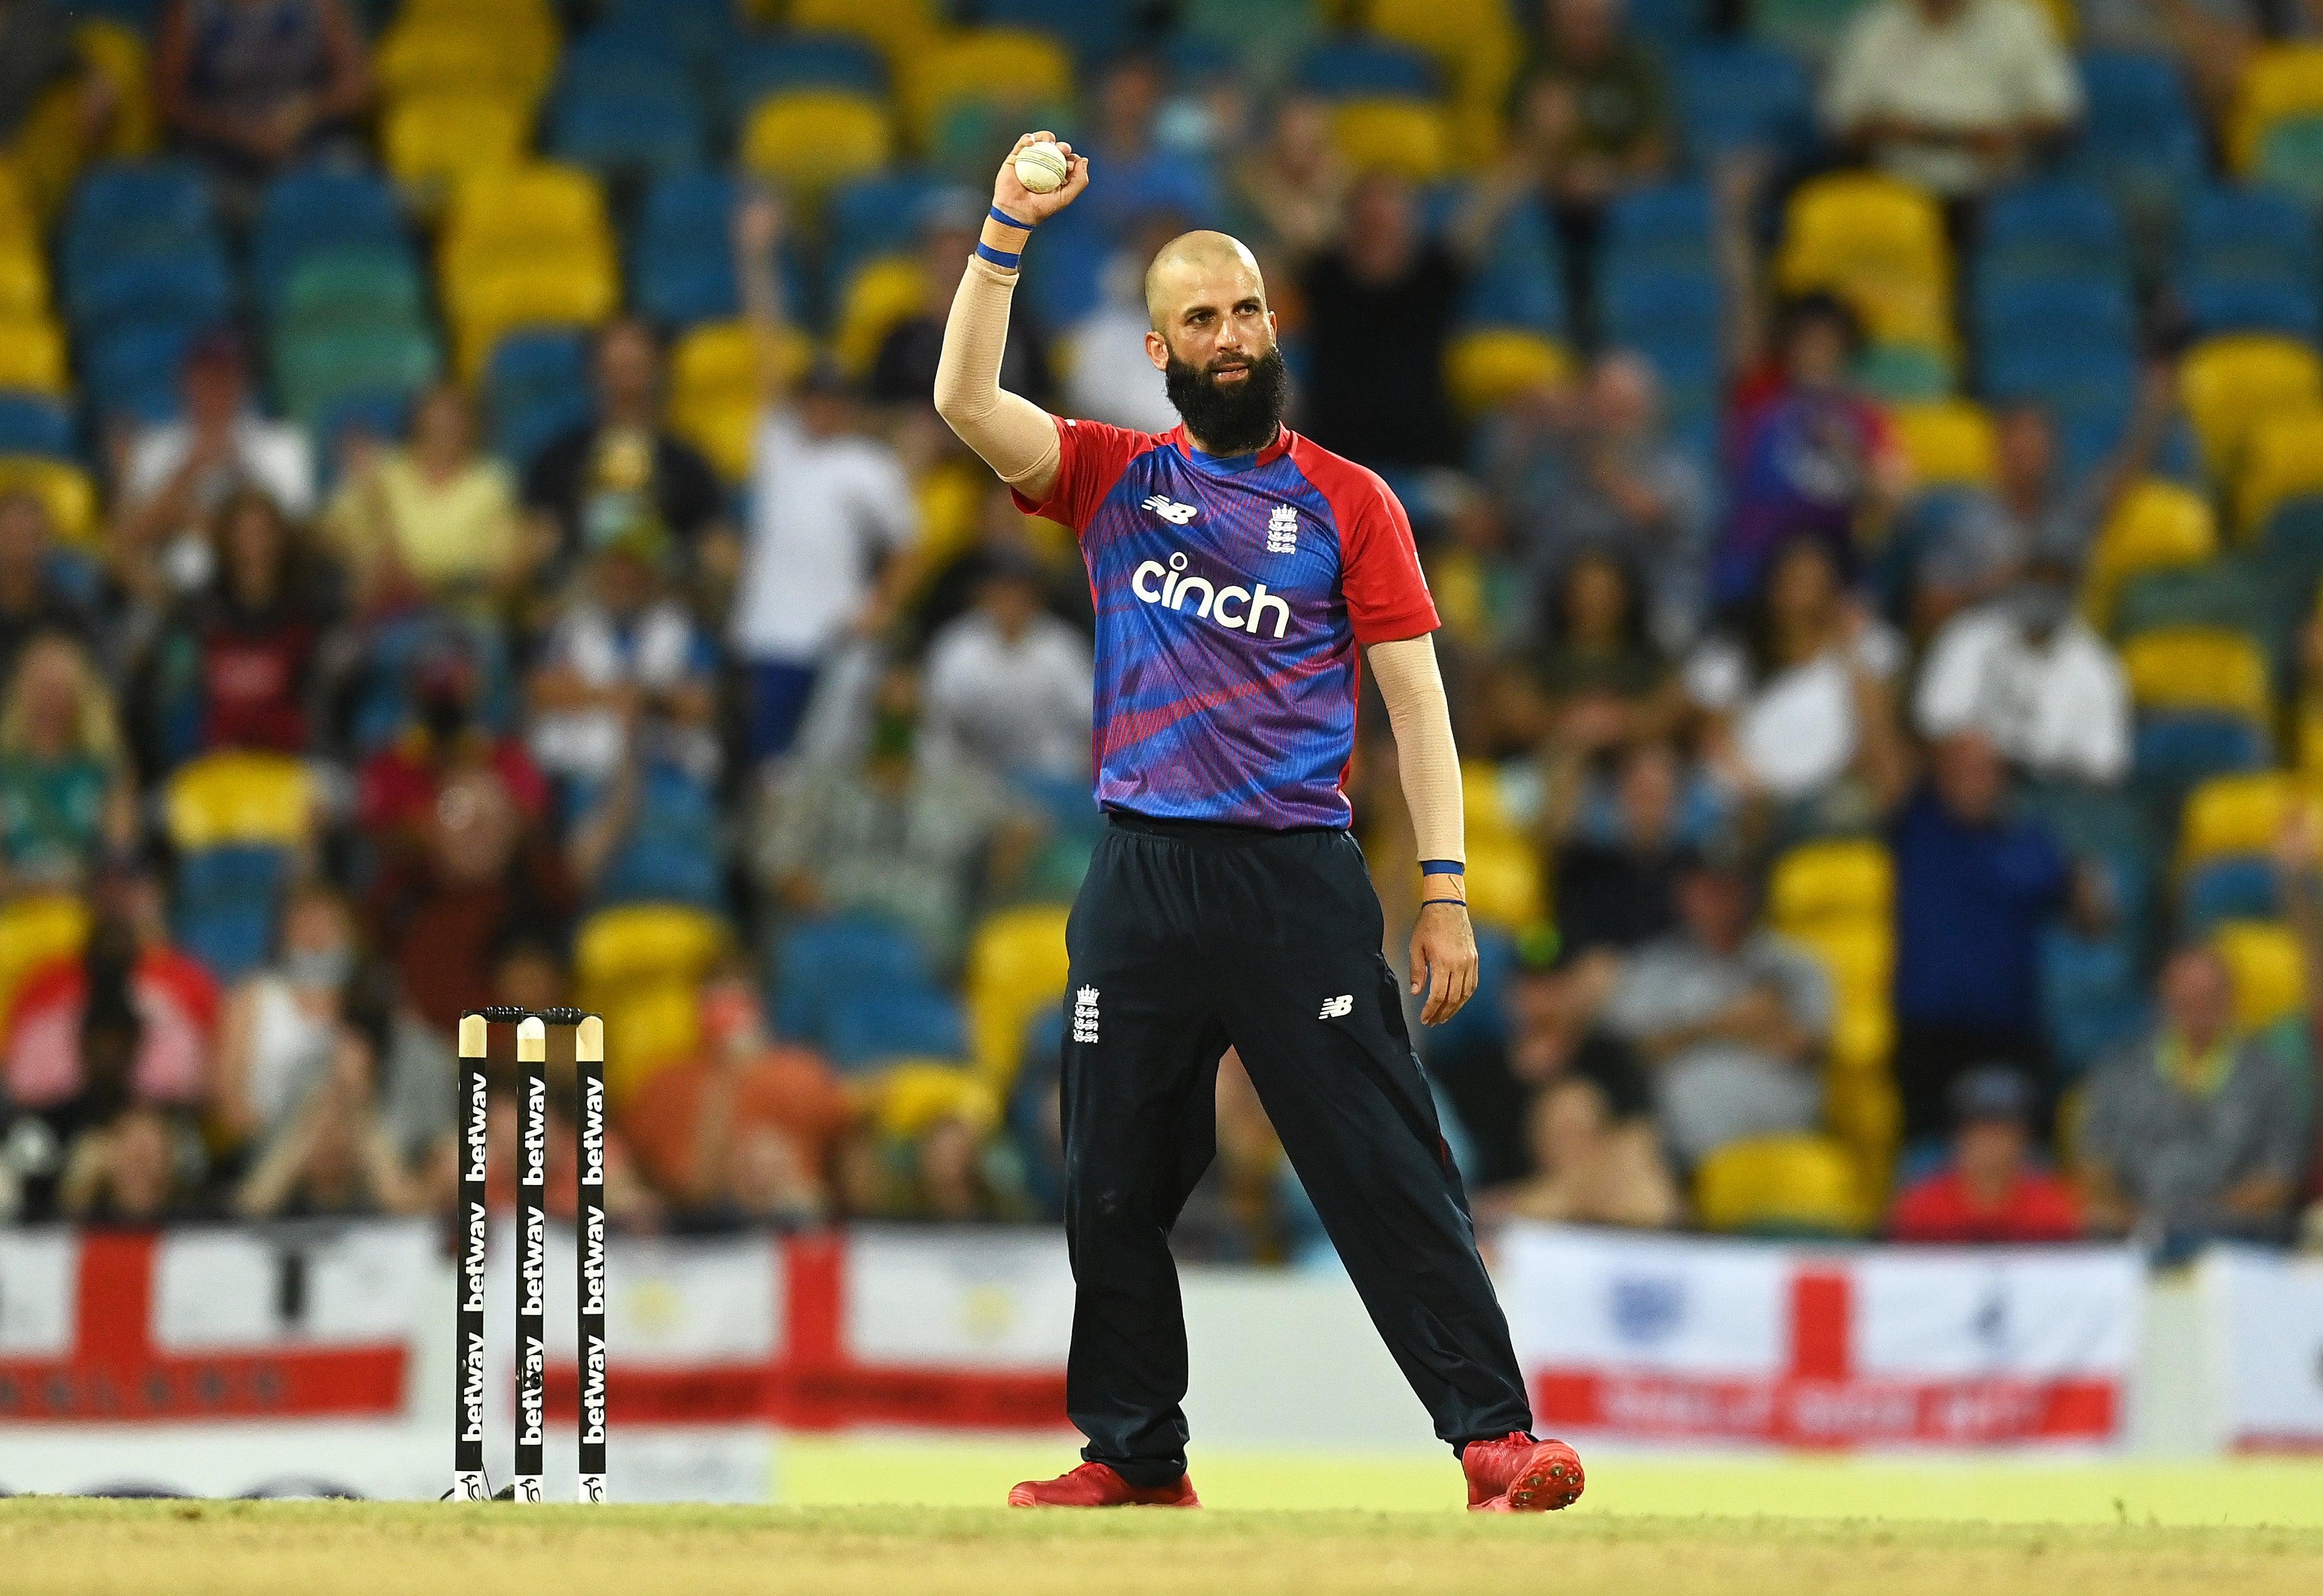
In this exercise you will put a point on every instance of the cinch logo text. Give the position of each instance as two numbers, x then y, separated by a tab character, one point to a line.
1238	608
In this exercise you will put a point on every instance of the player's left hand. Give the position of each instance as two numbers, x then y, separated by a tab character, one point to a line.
1443	960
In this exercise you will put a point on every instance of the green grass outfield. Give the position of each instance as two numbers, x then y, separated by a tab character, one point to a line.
58	1547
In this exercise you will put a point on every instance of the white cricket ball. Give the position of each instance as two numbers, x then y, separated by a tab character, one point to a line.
1043	167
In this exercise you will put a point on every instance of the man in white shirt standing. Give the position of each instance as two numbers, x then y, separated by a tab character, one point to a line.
1008	685
833	525
1948	94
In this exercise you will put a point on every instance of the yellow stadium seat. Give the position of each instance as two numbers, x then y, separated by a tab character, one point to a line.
2157	524
35	928
116	53
509	53
2282	459
640	943
2230	384
811	139
1016	965
2198	668
433	142
1004	65
907	1100
1410	138
573	292
1478	48
1819	882
2270	970
1783	1185
24	281
1860	958
2282	81
1861	1108
539	202
1947	441
648	1025
1878	243
240	798
1484	801
2241	814
64	488
900	29
32	355
1505	883
716	389
18	223
1488	366
882	293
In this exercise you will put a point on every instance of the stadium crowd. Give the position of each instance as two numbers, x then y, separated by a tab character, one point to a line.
473	528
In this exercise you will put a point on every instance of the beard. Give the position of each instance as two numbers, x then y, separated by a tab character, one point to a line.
1231	417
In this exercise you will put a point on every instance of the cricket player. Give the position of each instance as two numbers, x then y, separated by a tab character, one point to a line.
1237	570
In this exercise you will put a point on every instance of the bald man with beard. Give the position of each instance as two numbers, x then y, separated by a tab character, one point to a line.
1241	576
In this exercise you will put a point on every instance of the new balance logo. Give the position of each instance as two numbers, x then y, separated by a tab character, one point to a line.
1170	509
1282	531
1339	1007
1085	1014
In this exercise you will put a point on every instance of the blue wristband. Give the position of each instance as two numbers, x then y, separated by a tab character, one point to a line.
1006	220
1001	258
1442	868
1463	903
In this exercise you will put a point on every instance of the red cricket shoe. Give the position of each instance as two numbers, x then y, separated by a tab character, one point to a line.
1520	1475
1094	1485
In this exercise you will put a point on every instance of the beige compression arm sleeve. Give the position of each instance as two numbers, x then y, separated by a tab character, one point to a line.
1421	719
1014	435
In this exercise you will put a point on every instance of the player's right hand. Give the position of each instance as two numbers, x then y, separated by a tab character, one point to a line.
1014	199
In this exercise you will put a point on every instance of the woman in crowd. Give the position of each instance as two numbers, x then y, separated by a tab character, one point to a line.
1601	680
66	796
285	1027
434	519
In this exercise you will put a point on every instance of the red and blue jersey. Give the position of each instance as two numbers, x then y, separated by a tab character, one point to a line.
1231	596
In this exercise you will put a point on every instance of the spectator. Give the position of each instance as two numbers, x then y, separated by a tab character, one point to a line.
434	519
334	1156
286	1028
1732	1020
1141	177
130	1020
256	633
33	598
1493	1078
253	86
1290	192
132	1171
905	372
2193	1132
439	916
1009	685
1797	708
1808	454
1594	470
2035	679
748	1127
1951	95
65	793
1975	887
831	508
2030	512
630	1203
1109	377
1991	1192
1381	306
1588	1167
624	673
1591	115
893	835
397	787
623	463
1617	886
1602	680
180	473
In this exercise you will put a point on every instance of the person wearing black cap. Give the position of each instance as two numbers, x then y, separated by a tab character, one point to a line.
834	526
1990	1190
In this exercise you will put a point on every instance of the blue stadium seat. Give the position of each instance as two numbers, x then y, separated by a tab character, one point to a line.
624	103
379	693
536	387
1668	228
2052	230
1486	1014
31	425
682	269
1671	26
2236	888
146	207
1663	310
317	207
671	852
384	414
188	287
2214	306
703	31
2246	260
1520	282
2138	130
225	901
2178	751
756	67
2054	314
1742	95
2092	1000
821	959
877	217
1350	68
870	1026
133	372
1094	33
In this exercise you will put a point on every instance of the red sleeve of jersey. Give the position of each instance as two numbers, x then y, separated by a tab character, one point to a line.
1379	566
1094	454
